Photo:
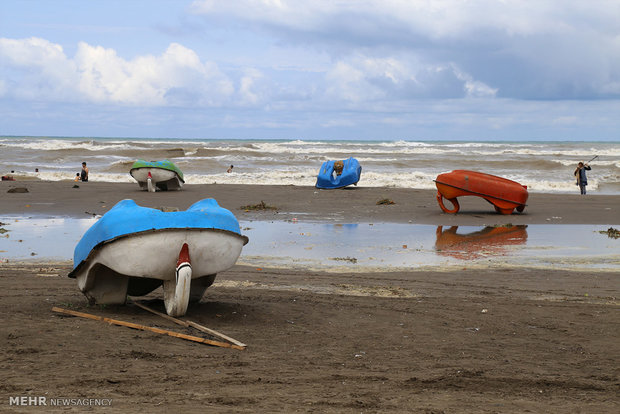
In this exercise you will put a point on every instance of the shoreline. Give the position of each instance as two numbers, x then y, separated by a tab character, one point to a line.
349	205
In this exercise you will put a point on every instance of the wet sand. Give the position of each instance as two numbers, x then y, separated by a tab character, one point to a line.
507	340
350	205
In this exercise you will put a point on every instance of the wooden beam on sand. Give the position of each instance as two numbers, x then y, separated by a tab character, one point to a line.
192	324
146	328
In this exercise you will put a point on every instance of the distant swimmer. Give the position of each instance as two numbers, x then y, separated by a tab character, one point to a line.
229	170
580	174
84	173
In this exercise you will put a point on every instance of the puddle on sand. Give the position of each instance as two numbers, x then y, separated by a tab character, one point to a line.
41	238
362	246
391	246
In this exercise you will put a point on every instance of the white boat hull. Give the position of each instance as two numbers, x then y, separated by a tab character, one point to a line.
138	263
162	179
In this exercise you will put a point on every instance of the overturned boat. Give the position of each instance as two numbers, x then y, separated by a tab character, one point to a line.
157	175
132	250
504	194
338	174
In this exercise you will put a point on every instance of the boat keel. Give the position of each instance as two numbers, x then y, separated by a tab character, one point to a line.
177	290
149	184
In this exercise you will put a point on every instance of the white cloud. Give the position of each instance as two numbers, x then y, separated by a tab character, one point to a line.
546	49
41	70
349	83
362	79
434	18
472	87
248	81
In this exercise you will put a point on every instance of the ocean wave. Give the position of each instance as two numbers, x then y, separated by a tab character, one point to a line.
414	179
545	167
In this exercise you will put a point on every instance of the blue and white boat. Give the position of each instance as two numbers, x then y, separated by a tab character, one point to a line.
338	174
132	250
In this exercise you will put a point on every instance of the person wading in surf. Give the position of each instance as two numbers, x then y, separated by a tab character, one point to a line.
84	173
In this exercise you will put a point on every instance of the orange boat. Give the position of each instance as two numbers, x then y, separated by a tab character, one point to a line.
504	194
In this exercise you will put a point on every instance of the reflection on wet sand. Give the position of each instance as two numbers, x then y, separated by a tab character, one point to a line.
488	241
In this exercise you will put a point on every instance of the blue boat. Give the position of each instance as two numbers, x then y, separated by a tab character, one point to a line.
338	174
132	250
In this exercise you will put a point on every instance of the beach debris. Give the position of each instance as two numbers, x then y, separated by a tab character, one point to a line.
3	230
75	186
47	275
145	328
187	323
611	233
385	201
345	259
259	206
18	190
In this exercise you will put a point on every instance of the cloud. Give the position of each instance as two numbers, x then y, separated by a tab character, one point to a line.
38	69
526	50
363	79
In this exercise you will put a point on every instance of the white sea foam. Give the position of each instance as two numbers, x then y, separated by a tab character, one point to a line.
545	167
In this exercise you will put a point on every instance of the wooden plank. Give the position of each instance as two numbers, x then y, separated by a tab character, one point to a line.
192	324
163	315
146	328
216	333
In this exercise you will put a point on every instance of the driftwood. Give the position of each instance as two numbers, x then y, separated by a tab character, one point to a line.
192	324
147	328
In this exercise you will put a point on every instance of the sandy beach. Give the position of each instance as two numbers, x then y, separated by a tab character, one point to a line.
349	205
490	340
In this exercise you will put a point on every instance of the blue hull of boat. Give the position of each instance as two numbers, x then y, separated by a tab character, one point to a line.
351	172
127	218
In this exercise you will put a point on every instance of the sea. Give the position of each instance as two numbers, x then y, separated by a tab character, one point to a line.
543	166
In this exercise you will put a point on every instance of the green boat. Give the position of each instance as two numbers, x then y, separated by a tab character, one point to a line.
157	175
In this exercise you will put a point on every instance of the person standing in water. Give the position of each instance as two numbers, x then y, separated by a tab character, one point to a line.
582	179
84	173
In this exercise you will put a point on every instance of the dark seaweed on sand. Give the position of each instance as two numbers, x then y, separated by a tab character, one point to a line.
259	206
611	233
345	259
385	201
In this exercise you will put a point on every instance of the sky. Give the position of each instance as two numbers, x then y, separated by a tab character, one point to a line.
315	69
